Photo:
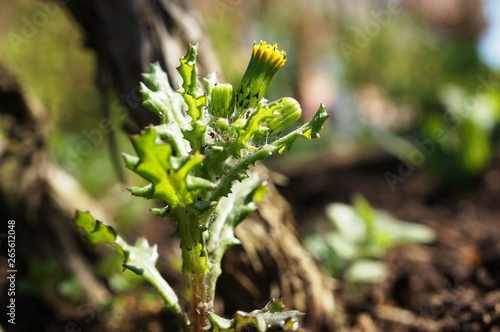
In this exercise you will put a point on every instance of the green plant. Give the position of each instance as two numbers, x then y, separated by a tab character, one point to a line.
361	237
468	129
197	161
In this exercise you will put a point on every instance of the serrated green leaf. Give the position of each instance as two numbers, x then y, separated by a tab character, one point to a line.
160	212
170	176
95	232
173	182
228	213
194	97
317	123
270	318
146	191
161	99
130	161
189	71
140	258
232	210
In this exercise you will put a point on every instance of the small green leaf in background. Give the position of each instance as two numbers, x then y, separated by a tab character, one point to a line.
349	224
361	237
366	271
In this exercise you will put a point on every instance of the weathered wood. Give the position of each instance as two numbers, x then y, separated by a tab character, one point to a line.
127	36
38	195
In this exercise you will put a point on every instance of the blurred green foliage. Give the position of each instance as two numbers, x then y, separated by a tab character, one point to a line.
360	239
49	57
44	47
469	123
445	84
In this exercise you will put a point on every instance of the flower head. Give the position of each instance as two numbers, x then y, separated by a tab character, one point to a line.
266	60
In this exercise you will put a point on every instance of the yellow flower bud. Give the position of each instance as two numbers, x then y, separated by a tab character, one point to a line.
266	60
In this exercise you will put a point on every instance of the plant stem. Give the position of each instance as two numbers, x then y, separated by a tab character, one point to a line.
194	264
198	300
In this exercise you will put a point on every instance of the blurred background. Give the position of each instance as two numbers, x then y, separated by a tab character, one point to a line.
413	89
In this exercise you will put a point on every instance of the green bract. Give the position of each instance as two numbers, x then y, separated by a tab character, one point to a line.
196	162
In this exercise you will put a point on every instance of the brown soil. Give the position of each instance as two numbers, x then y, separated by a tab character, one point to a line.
450	285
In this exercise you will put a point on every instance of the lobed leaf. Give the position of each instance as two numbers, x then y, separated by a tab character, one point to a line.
270	318
170	177
226	216
194	97
140	258
95	231
162	100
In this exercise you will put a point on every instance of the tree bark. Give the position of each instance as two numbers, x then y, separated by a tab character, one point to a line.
38	195
127	36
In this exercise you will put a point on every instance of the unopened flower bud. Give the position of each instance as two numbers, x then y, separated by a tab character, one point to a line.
222	100
266	60
286	112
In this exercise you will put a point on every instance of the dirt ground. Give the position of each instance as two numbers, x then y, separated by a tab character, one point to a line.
450	285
